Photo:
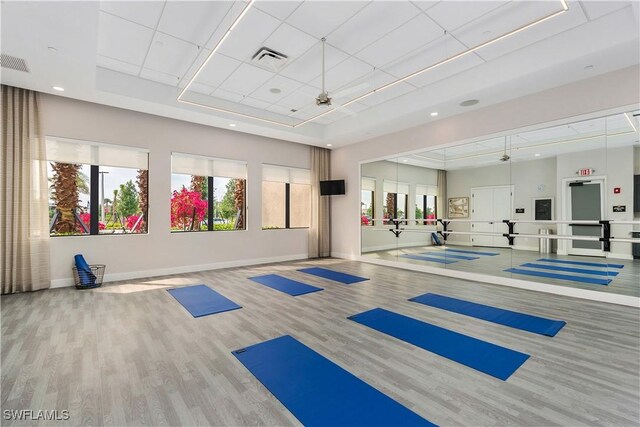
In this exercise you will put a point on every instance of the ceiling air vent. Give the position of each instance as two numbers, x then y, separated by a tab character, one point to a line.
269	59
14	63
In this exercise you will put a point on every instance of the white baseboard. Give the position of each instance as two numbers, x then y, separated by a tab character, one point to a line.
343	255
129	275
514	283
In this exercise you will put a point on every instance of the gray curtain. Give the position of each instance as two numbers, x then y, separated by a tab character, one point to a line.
24	210
442	194
320	227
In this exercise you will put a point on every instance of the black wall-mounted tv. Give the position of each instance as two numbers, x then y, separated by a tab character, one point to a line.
332	188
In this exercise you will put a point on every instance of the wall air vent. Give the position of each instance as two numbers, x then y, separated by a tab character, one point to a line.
13	63
269	59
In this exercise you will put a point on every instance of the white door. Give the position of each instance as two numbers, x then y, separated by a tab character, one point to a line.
586	202
490	204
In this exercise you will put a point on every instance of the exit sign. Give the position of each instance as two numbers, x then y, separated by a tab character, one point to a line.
585	172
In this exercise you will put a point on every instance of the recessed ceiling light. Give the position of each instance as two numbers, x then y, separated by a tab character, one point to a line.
275	90
537	155
435	113
52	49
405	160
469	102
329	145
232	125
588	67
58	88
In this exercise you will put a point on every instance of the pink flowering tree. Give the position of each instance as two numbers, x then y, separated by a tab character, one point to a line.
187	206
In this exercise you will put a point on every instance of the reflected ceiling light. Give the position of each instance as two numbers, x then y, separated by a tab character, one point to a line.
232	125
329	145
435	113
376	90
635	129
58	88
537	155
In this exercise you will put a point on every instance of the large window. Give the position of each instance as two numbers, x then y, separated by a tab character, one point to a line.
286	197
367	201
426	204
96	188
396	196
207	194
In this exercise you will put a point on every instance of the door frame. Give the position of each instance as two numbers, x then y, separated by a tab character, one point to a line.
564	246
511	188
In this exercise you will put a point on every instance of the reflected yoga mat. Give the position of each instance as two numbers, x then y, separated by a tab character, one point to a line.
333	275
499	362
444	254
428	258
472	252
571	269
201	300
282	284
586	264
513	319
317	391
592	280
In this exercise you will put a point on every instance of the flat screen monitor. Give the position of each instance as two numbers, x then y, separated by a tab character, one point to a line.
332	188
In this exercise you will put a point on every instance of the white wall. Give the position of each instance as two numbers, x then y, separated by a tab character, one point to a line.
589	96
160	251
372	238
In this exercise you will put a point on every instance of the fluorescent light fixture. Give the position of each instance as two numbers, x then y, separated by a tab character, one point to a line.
565	7
58	88
635	129
435	113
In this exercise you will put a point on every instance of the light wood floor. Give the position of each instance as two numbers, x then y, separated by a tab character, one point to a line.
129	354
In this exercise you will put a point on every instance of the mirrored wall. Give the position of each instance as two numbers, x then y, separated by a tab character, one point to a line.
554	205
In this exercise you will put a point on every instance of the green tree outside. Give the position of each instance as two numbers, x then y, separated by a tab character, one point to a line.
128	204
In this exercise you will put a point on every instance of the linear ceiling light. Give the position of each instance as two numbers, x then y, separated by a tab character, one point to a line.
565	7
631	122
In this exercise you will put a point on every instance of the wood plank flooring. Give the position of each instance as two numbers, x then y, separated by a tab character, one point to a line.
129	354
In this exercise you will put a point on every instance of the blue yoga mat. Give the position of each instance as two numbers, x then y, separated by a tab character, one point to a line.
586	264
571	269
317	391
285	285
592	280
427	258
472	252
513	319
499	362
448	255
201	300
333	275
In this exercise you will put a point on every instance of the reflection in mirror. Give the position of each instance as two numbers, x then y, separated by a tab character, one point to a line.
553	206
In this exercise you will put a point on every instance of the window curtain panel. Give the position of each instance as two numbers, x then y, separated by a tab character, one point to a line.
320	227
442	194
24	210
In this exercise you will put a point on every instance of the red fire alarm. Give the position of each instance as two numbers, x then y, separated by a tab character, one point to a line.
616	190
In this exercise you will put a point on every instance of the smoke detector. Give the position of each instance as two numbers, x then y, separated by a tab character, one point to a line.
269	59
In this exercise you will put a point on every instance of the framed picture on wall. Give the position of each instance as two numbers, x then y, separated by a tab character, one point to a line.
458	207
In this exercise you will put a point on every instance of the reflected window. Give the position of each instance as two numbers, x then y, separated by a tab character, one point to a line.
426	204
367	201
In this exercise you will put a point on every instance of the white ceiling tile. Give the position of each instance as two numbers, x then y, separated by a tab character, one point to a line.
277	9
170	55
447	70
201	88
246	79
229	96
279	109
290	41
249	35
123	40
513	16
114	64
296	100
286	86
454	14
159	76
217	70
387	94
371	23
193	21
425	5
309	65
340	76
320	18
443	47
257	103
596	9
418	32
146	13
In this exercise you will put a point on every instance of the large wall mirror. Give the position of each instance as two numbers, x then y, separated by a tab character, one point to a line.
553	206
